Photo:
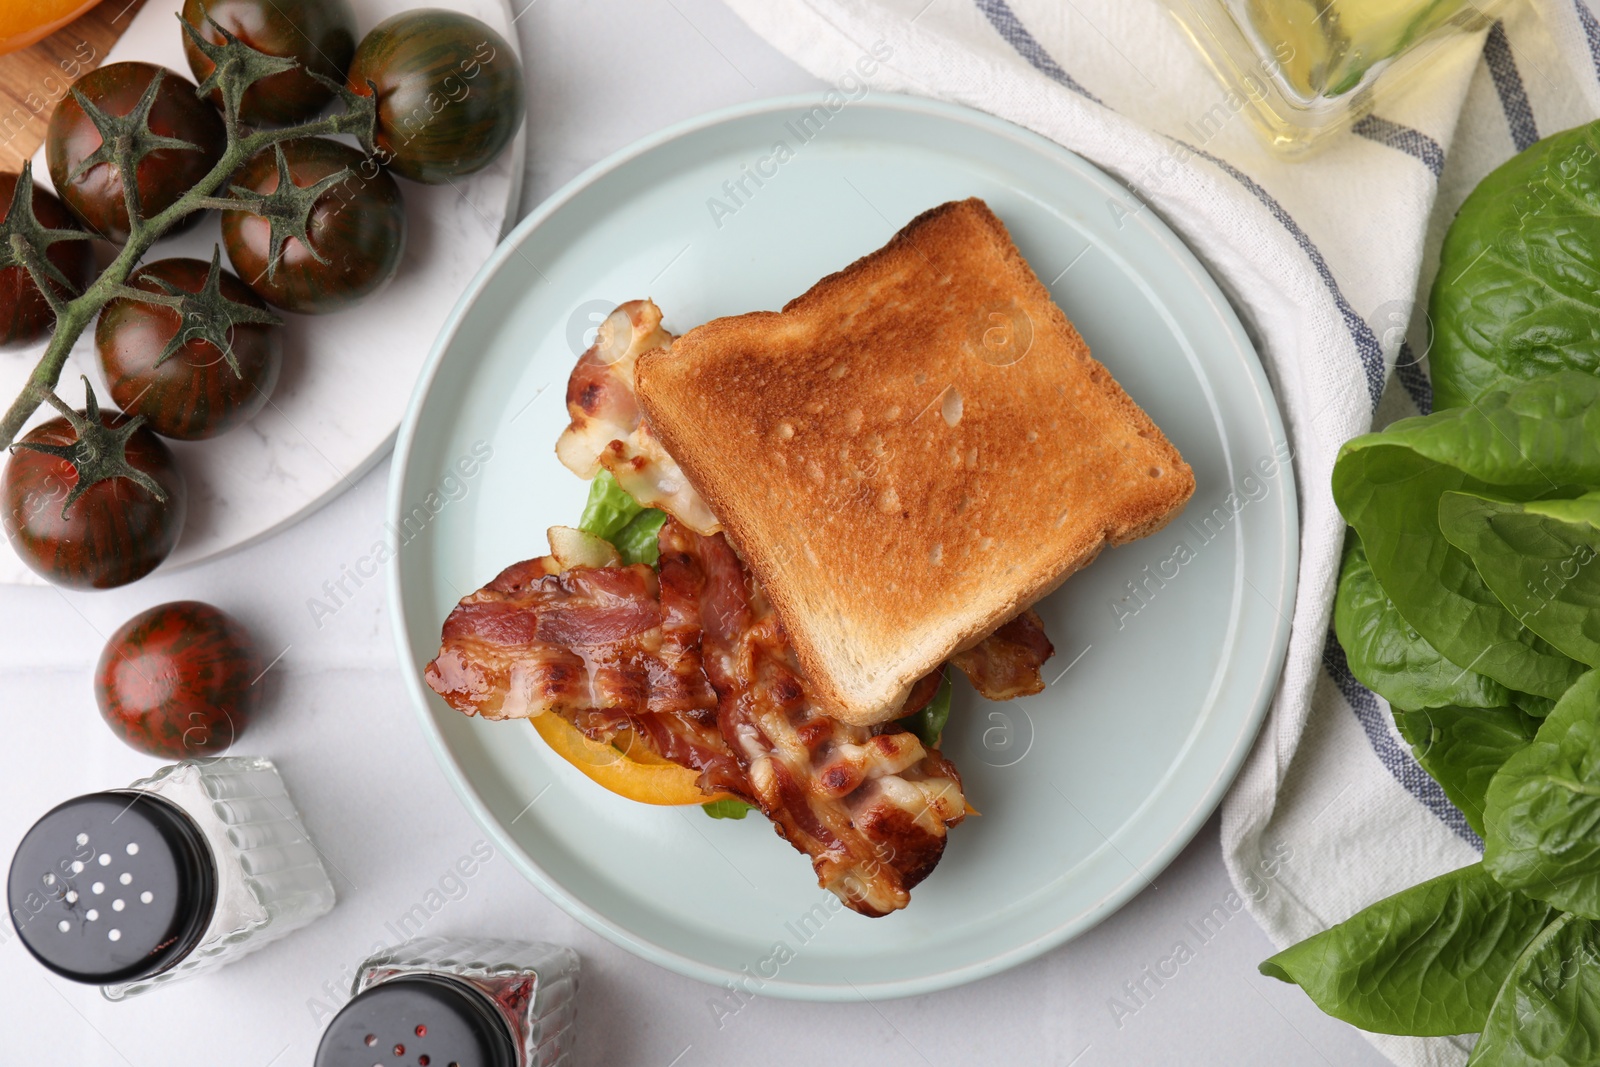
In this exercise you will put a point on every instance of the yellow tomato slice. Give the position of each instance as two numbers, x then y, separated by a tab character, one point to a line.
23	22
629	744
642	776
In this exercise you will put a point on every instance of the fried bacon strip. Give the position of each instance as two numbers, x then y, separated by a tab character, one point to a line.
1006	664
696	665
870	807
594	646
608	428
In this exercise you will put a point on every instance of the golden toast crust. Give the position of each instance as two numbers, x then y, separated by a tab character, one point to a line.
910	453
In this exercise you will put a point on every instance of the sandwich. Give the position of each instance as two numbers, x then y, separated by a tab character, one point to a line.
801	523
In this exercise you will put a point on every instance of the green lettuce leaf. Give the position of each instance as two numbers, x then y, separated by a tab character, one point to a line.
727	808
1388	655
609	508
1538	707
1536	558
1542	816
928	724
638	542
1389	491
1462	748
1427	961
1541	434
1518	289
1548	1012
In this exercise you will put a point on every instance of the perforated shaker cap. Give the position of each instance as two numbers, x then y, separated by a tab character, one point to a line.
417	1020
112	887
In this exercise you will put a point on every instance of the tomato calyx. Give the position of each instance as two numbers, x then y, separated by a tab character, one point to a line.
204	316
100	452
361	110
287	209
24	240
237	65
125	141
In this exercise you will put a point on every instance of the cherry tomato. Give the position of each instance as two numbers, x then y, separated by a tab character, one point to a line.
358	227
195	392
24	315
319	34
95	196
449	92
178	681
115	533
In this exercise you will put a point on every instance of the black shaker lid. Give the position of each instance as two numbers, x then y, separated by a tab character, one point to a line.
417	1020
111	887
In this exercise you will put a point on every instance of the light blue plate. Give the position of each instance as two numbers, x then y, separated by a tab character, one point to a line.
1166	656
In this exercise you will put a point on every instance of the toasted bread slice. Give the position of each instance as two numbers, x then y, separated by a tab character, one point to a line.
910	453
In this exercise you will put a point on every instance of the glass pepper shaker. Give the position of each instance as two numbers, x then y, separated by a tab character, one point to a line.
201	863
438	1002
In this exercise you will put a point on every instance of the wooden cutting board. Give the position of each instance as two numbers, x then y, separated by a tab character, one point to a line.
34	80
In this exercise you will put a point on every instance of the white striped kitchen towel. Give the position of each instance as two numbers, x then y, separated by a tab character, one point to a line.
1323	261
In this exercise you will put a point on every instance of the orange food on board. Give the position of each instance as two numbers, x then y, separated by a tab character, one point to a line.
642	775
23	22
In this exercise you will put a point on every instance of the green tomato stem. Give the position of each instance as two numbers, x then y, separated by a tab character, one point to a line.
41	280
75	315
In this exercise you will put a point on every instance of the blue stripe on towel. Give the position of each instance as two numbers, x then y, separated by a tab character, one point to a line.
1403	139
1591	32
1007	25
1367	345
1394	758
1508	83
1414	379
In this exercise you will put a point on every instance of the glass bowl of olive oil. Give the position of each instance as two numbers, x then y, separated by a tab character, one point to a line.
1307	68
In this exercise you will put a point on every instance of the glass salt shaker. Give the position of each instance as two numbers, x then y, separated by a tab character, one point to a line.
182	872
438	1002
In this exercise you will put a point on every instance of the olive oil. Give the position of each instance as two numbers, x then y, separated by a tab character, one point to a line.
1333	43
1308	67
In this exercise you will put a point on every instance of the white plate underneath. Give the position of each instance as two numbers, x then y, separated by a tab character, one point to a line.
346	377
1161	675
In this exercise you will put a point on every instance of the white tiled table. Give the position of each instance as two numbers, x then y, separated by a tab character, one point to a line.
601	73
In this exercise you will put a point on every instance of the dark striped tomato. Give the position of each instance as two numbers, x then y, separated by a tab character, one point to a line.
194	393
178	681
24	315
449	92
358	226
319	34
95	196
115	533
